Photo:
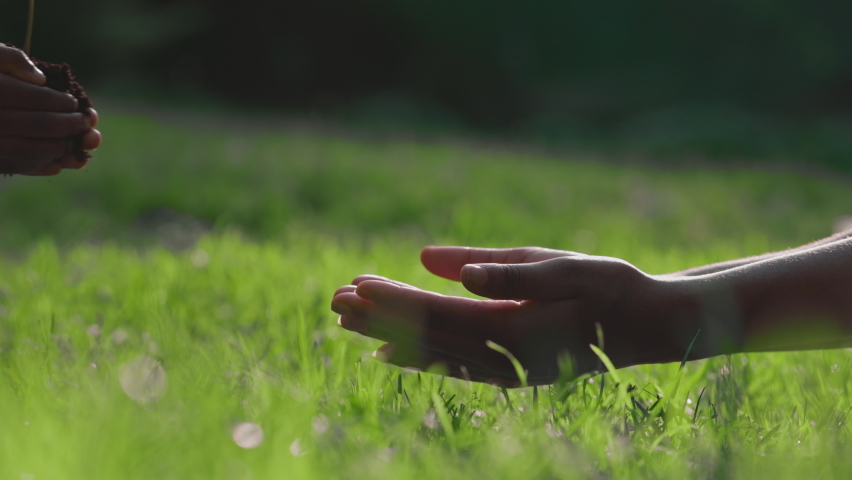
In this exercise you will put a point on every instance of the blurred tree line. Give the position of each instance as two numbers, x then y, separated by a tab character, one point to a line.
489	64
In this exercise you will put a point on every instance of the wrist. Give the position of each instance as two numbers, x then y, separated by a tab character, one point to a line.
654	323
691	318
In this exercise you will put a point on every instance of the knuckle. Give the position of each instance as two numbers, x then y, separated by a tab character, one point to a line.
511	278
565	268
564	262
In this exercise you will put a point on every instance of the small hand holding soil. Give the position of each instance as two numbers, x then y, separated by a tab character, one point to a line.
46	120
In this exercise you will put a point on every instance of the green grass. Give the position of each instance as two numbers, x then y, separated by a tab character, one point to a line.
92	281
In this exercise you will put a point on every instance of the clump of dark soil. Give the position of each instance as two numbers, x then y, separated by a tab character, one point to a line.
60	77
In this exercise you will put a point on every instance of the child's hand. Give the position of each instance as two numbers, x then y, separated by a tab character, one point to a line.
545	308
36	122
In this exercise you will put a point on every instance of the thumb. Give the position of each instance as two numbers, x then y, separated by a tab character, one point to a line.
15	63
558	278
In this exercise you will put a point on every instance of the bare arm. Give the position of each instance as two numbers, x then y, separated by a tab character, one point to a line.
797	300
718	267
545	306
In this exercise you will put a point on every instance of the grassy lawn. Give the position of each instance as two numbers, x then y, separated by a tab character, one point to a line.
179	287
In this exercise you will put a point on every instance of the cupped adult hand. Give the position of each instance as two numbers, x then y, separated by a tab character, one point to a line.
36	122
546	307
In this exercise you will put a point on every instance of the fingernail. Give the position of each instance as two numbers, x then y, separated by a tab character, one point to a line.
340	321
474	275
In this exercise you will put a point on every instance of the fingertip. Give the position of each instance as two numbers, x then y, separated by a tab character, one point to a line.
16	63
429	253
353	324
93	116
71	162
366	277
445	261
344	289
474	276
339	307
37	77
370	289
384	353
363	290
52	169
49	170
92	140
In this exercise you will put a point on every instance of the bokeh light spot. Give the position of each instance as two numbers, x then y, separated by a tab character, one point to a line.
143	380
247	435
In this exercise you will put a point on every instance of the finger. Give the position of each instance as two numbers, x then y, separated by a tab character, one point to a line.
48	170
446	262
15	62
363	278
414	340
558	278
423	359
18	155
369	319
93	114
466	370
91	140
31	124
344	289
72	162
391	354
364	317
19	94
452	314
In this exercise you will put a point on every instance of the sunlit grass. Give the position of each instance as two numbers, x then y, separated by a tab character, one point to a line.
97	292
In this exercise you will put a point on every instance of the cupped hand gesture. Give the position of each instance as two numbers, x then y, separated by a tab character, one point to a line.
36	122
543	306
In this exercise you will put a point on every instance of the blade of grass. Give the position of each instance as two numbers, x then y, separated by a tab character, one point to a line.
28	41
519	369
689	349
682	364
607	362
508	400
697	405
443	416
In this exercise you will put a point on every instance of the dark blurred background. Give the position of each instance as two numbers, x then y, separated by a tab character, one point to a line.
721	79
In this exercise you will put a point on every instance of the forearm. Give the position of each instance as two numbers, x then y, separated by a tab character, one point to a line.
796	301
727	265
